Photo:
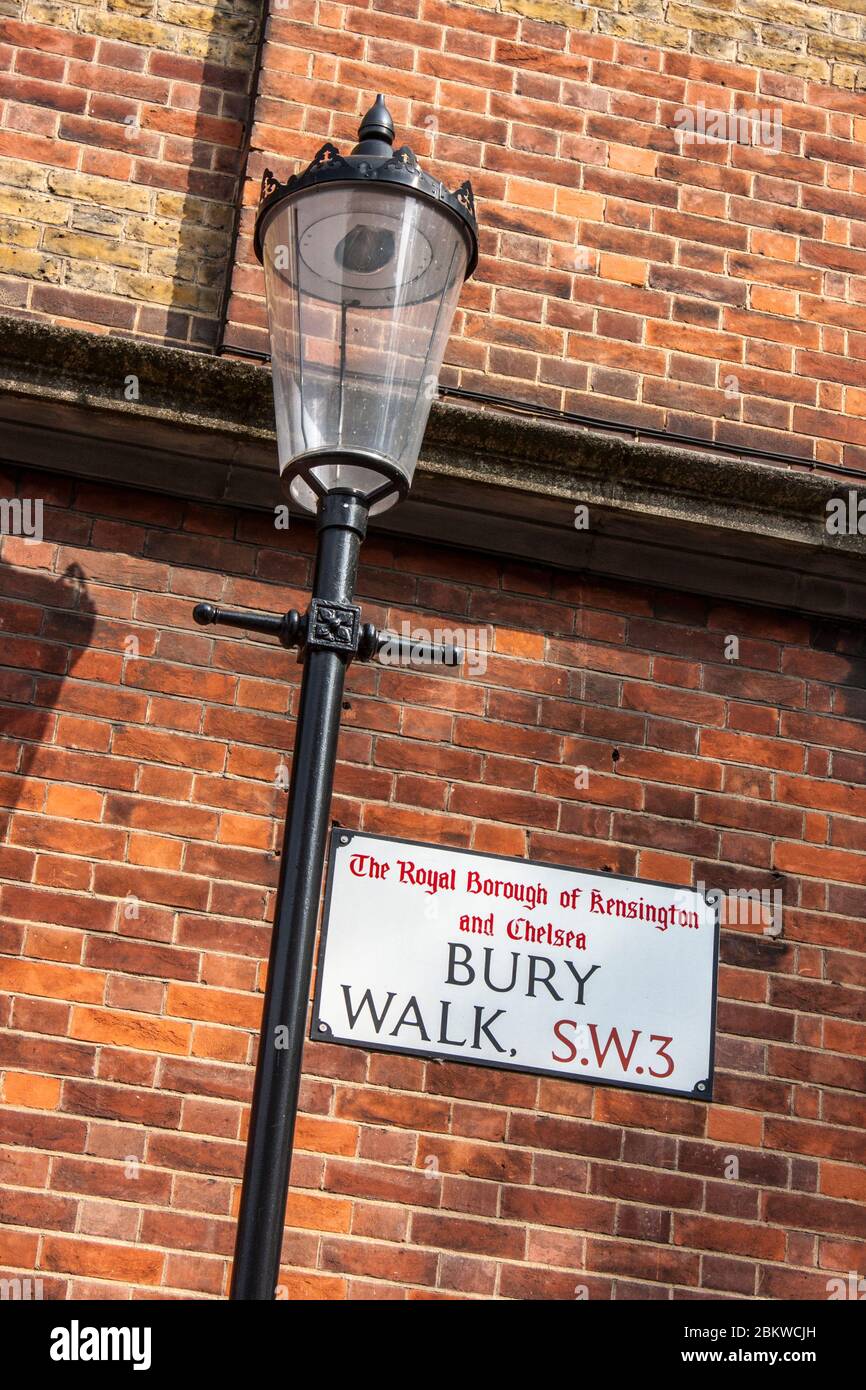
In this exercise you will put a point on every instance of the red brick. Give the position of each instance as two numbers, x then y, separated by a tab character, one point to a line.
103	1260
731	1237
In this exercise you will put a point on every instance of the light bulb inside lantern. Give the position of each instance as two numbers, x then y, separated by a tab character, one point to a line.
365	249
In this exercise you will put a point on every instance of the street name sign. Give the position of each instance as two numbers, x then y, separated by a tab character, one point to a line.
445	953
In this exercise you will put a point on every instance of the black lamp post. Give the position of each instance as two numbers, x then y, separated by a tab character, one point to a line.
364	258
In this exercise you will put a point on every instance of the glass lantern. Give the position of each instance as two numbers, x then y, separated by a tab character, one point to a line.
364	259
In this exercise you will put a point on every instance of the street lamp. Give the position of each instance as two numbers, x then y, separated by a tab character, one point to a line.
364	257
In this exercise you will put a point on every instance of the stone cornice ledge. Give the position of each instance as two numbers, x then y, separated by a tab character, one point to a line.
499	481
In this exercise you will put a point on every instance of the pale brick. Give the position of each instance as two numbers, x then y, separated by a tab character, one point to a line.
87	218
21	233
175	205
776	60
643	31
83	246
35	209
708	22
128	29
173	264
143	8
106	192
61	15
555	11
85	276
798	16
836	49
210	19
162	291
16	261
20	174
212	48
154	231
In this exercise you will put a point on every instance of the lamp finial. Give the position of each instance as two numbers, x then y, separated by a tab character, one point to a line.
376	132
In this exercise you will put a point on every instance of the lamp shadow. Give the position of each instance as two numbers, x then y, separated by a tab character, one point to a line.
46	624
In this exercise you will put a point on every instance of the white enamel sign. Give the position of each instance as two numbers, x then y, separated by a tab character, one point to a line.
475	958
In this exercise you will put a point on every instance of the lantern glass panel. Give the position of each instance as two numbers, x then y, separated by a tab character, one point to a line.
362	284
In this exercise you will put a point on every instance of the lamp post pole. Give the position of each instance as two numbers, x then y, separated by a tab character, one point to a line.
330	636
342	522
364	256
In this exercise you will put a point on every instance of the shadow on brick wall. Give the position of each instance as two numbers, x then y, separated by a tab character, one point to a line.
210	140
46	622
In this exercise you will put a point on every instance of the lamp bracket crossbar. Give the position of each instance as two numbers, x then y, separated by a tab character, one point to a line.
335	627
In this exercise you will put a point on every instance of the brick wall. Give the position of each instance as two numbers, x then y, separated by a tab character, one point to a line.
809	38
138	777
627	272
121	126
